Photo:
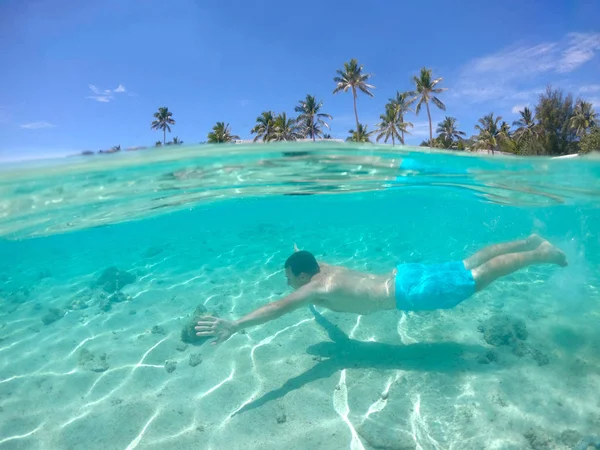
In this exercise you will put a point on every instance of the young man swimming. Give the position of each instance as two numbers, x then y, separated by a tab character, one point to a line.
410	287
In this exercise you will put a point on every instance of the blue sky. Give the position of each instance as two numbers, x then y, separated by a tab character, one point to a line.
89	75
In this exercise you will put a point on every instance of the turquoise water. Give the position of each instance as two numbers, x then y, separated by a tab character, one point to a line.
212	226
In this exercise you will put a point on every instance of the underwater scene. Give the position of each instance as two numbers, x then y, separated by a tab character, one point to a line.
455	304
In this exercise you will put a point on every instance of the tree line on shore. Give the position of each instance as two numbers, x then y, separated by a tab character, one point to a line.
556	125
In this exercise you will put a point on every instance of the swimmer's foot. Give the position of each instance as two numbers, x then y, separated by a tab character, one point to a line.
551	254
534	241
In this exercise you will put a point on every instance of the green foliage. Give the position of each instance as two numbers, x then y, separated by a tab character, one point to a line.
175	141
352	78
221	134
437	142
163	119
425	87
584	117
264	126
401	104
553	113
591	141
310	119
360	135
448	134
285	129
391	125
492	135
527	136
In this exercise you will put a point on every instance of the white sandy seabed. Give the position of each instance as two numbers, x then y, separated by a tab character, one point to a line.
334	381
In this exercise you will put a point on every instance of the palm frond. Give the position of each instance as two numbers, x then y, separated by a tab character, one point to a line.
436	101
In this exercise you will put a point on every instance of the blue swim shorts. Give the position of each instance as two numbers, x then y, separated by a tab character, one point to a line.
422	287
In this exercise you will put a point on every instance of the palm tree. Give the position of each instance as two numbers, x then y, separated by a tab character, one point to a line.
448	132
116	148
584	117
221	133
490	134
391	125
361	135
311	117
526	124
264	126
285	129
486	140
176	141
158	144
402	103
353	78
326	136
527	135
163	119
425	87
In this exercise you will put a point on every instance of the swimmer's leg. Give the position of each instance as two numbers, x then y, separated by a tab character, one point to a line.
484	255
504	265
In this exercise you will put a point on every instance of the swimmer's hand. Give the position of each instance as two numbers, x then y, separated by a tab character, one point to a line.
296	249
221	329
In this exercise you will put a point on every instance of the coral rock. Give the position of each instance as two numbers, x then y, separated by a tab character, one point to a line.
53	315
170	365
195	359
188	332
113	279
157	329
95	363
501	329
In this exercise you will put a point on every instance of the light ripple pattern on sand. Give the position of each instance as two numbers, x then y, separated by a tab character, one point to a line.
218	385
139	437
21	436
381	402
340	404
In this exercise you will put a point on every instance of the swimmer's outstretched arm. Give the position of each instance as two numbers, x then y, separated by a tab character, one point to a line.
223	329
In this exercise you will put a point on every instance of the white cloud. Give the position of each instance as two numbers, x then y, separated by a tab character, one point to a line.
565	56
515	109
508	75
590	88
37	125
100	98
516	61
581	48
421	129
106	95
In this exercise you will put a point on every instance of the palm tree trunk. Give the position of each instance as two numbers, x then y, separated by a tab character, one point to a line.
402	131
164	136
430	130
355	112
392	140
312	128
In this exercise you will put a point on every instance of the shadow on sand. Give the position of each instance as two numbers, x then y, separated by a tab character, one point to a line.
345	353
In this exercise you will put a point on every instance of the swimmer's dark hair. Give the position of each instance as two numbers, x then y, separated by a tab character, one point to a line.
303	262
